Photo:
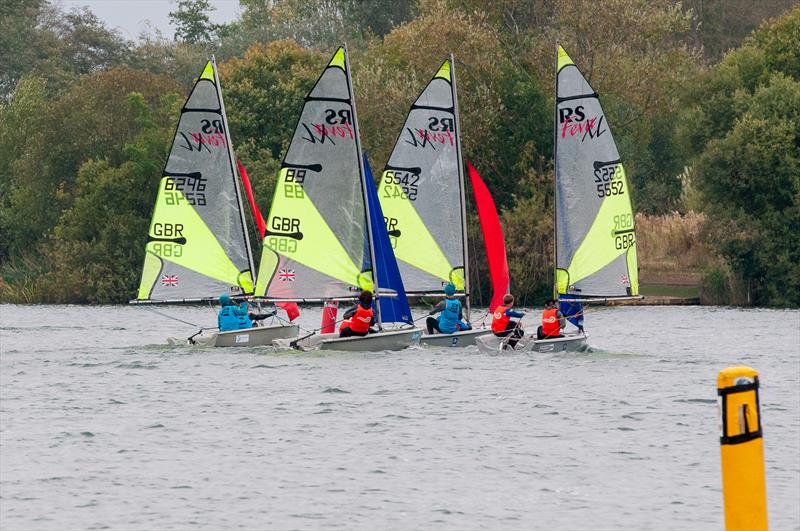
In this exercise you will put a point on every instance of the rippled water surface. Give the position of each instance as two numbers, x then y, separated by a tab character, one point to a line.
102	426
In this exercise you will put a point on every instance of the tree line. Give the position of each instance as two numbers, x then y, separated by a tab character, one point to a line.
703	97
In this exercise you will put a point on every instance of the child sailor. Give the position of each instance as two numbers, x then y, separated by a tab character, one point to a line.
451	318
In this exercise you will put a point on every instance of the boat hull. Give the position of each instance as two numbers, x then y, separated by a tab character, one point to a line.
384	340
491	344
455	340
251	337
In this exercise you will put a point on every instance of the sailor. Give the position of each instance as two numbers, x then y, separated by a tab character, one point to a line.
237	317
503	326
359	318
451	318
553	321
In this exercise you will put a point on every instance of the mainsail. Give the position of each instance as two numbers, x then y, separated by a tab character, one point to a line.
316	244
422	191
595	238
197	246
493	240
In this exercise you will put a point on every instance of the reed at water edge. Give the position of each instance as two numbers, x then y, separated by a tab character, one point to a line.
676	258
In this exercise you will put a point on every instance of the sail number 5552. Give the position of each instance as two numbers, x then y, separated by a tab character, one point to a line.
608	179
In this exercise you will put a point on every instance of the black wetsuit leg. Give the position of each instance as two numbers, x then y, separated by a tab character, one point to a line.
348	332
433	324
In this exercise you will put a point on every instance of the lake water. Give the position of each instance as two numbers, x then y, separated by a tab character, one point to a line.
102	426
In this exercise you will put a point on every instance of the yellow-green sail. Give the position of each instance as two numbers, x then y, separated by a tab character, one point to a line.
197	244
316	244
421	191
595	236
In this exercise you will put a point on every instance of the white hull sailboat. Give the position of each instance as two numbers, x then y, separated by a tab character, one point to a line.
385	340
572	342
251	337
422	191
325	238
595	243
595	240
198	246
465	338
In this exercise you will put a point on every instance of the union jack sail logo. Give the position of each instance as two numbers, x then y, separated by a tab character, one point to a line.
169	280
286	275
624	280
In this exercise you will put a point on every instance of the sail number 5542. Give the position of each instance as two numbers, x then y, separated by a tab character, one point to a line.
608	179
405	185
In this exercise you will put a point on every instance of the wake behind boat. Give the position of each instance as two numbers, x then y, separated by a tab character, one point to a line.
198	246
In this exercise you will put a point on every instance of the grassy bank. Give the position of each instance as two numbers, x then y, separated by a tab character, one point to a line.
675	260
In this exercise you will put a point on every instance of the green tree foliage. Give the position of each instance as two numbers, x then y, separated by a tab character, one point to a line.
743	124
505	118
321	23
98	242
81	156
721	25
93	120
36	38
192	22
264	93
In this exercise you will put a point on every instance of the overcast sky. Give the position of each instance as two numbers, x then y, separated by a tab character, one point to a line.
131	17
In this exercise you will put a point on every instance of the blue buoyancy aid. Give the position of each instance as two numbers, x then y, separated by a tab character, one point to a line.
449	316
234	318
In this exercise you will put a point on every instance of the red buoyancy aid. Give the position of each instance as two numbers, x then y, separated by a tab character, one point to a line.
550	324
500	319
360	321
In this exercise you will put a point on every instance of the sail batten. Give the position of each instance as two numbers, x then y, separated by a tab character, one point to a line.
197	244
595	230
421	191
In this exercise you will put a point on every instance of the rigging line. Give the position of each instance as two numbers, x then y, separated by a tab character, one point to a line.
179	320
281	319
295	342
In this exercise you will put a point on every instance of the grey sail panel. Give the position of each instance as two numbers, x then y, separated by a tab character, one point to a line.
595	234
197	237
176	282
317	227
420	191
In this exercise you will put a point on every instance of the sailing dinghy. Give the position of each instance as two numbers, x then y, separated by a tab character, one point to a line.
198	246
595	243
422	196
322	241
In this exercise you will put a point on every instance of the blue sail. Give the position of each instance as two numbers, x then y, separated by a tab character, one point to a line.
392	309
572	310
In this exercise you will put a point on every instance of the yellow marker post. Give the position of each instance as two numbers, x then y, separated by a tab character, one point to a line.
743	485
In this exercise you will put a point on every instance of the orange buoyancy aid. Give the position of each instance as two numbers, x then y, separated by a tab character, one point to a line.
500	319
360	321
550	324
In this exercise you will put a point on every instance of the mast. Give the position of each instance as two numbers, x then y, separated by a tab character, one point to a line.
461	186
555	178
374	262
232	161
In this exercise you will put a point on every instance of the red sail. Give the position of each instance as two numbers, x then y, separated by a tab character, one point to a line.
253	206
492	238
291	308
